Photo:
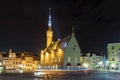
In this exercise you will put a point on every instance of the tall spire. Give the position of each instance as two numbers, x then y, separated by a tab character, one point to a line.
49	21
49	34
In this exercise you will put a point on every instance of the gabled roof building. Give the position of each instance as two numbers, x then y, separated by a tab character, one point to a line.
61	52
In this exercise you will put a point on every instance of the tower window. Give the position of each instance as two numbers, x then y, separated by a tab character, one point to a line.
74	47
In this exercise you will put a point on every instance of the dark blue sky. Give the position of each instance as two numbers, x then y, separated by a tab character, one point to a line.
23	23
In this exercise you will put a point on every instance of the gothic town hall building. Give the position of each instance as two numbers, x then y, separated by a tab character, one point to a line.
60	53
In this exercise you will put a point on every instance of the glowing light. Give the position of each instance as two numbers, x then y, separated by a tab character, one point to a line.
21	66
21	71
47	54
39	73
42	55
4	62
42	51
59	49
49	22
107	62
112	65
58	39
85	65
100	63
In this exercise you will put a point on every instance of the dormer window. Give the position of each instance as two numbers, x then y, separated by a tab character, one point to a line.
74	47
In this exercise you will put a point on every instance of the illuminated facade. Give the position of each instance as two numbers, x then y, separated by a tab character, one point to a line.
0	59
11	62
19	62
1	66
29	62
93	61
113	54
86	60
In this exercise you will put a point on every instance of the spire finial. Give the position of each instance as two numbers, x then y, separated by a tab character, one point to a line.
73	30
49	21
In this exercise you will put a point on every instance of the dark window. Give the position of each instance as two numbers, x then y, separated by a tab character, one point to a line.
74	47
113	47
113	59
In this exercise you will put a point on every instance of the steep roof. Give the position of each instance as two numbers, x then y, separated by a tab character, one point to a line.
65	41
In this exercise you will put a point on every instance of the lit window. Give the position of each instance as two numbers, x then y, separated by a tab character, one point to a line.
68	59
10	55
4	62
76	60
59	60
0	63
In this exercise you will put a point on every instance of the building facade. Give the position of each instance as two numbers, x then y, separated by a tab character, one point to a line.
59	53
18	62
113	54
92	61
11	62
72	51
29	62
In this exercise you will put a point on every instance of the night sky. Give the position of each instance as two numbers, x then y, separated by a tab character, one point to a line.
23	23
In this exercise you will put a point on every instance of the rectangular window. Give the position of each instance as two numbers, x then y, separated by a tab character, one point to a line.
75	60
68	59
112	53
112	47
113	59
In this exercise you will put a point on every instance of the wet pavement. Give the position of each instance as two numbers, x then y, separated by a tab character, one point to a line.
57	76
